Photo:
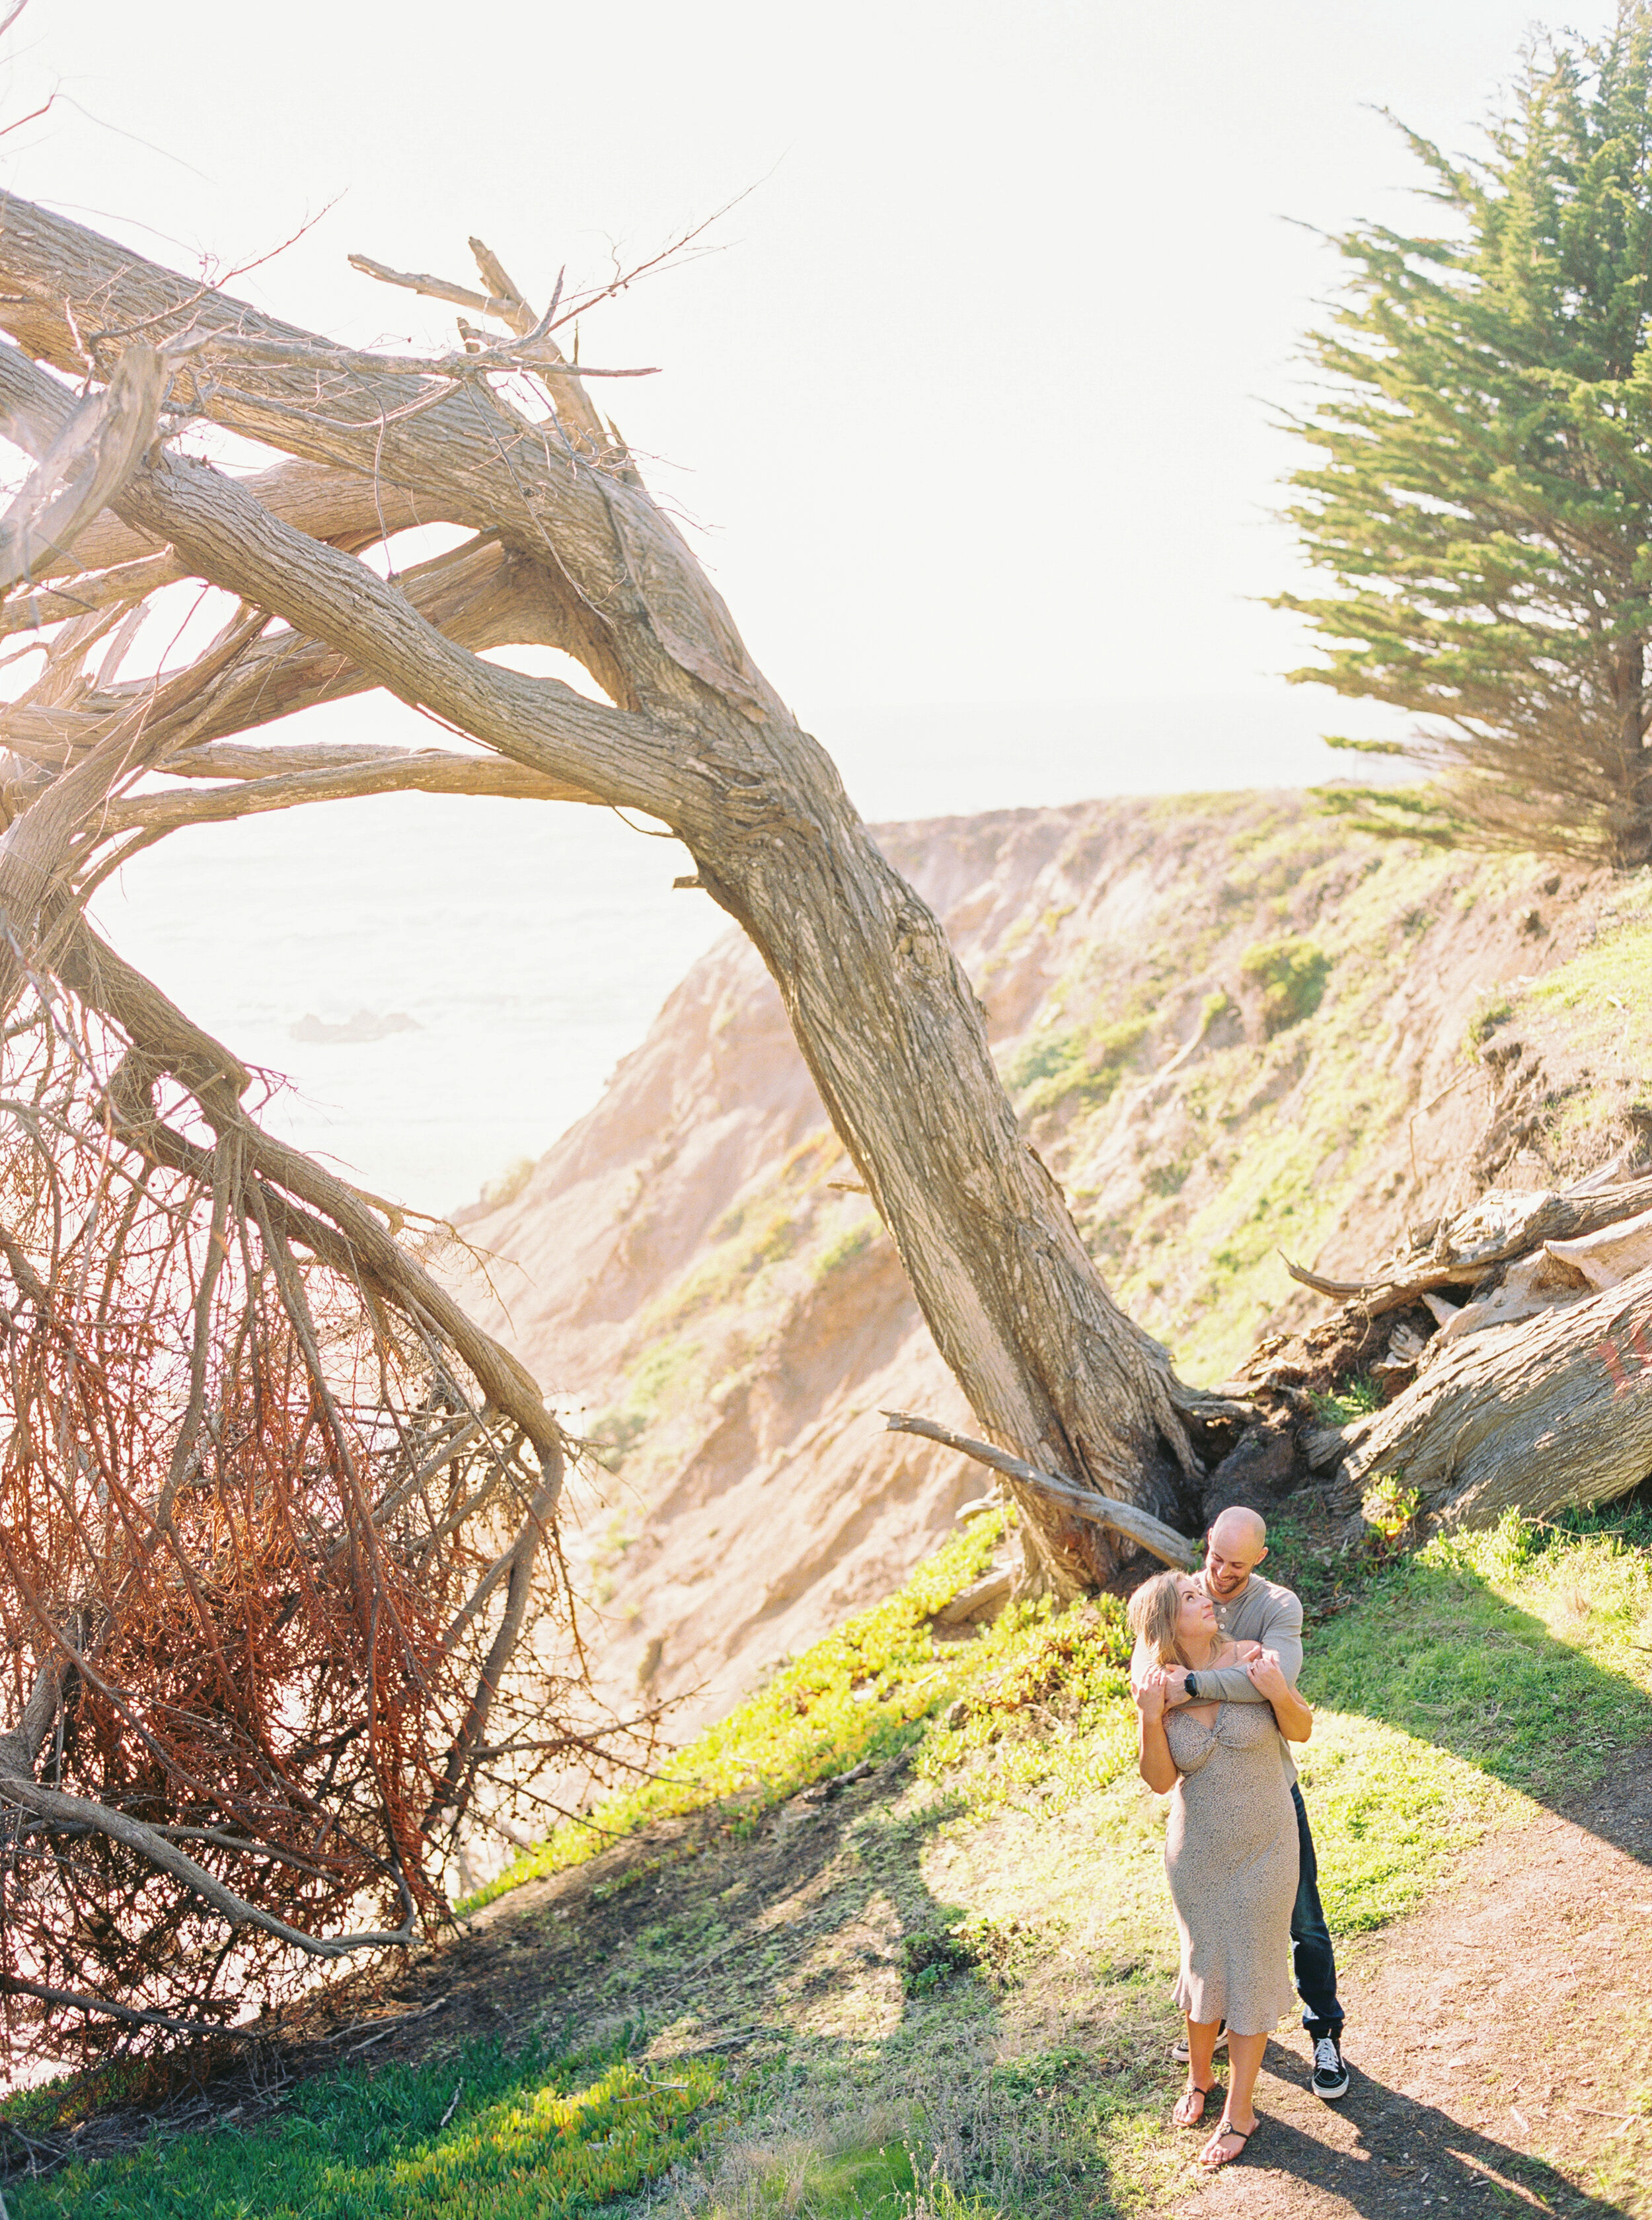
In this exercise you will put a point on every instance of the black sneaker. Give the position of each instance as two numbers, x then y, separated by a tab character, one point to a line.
1179	2047
1329	2074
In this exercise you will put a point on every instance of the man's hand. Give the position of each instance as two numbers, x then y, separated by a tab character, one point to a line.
1267	1675
1175	1685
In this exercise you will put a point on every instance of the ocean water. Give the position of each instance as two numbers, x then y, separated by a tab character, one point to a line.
439	986
523	950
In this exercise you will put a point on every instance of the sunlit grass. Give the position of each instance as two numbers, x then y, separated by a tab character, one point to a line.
532	2136
857	1693
1448	1683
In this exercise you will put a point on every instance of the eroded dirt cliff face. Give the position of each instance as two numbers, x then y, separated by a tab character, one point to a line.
1230	1026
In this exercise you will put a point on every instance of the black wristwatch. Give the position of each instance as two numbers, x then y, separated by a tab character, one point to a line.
1191	1684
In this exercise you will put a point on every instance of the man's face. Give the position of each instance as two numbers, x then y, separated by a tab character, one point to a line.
1229	1562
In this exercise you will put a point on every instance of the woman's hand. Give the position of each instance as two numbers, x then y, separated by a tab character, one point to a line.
1268	1678
1248	1651
1149	1693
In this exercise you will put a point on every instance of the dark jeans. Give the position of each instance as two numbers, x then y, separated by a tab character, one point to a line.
1313	1959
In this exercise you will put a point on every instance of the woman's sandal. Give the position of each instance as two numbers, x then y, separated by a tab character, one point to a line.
1227	2127
1193	2119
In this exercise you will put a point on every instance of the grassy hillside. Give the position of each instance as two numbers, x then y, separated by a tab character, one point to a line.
1230	1027
943	1990
890	1936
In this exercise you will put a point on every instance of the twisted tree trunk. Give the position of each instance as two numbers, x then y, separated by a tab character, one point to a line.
885	1018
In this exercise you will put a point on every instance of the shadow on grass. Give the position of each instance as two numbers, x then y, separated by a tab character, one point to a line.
880	2007
1435	1650
829	1909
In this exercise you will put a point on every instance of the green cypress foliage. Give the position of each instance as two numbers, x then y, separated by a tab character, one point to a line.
1481	498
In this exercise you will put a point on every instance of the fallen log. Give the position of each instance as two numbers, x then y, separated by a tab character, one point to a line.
1533	1417
1611	1256
1138	1527
1498	1228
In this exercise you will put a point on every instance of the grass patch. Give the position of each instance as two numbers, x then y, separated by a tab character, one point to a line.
615	1433
1356	1398
1487	1019
1289	978
1604	995
1479	1674
1044	1708
1084	1066
534	2136
854	1241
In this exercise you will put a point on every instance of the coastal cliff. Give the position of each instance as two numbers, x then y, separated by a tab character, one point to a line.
1230	1027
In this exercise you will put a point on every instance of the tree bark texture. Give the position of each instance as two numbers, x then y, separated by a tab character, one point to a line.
1530	1417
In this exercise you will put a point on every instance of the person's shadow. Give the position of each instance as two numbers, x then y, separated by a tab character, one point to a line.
1404	2152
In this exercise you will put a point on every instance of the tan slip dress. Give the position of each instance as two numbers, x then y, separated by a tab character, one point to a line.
1231	1855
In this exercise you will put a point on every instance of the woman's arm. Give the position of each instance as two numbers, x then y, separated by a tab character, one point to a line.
1268	1678
1158	1767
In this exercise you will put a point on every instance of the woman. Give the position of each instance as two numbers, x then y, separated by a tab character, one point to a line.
1230	1848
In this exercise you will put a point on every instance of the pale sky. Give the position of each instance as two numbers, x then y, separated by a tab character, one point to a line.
972	408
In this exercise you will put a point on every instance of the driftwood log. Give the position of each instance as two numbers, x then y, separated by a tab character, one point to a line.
1552	1411
1463	1250
1535	1392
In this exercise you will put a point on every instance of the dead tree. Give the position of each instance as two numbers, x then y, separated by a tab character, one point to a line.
278	1551
279	1523
569	550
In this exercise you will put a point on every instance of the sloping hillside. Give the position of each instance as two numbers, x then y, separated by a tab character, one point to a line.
1230	1026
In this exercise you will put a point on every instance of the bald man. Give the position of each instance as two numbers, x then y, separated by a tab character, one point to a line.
1249	1609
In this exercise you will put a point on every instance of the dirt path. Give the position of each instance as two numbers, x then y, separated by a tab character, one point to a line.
1499	2043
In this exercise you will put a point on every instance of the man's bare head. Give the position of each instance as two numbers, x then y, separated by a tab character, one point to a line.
1236	1545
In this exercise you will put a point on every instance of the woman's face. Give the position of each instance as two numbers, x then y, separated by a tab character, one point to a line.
1196	1621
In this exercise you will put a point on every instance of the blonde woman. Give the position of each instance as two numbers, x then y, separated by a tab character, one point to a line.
1231	1846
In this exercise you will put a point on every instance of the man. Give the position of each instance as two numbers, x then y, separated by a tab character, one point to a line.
1250	1610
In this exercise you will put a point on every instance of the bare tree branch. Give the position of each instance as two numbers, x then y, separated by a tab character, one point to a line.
15	1985
479	462
1138	1527
226	537
92	458
80	1811
389	771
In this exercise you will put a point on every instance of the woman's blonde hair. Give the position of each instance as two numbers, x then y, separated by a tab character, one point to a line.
1152	1613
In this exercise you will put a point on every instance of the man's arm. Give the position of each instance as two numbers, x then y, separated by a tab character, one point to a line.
1282	1632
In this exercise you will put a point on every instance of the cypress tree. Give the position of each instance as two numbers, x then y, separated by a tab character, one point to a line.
1481	497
